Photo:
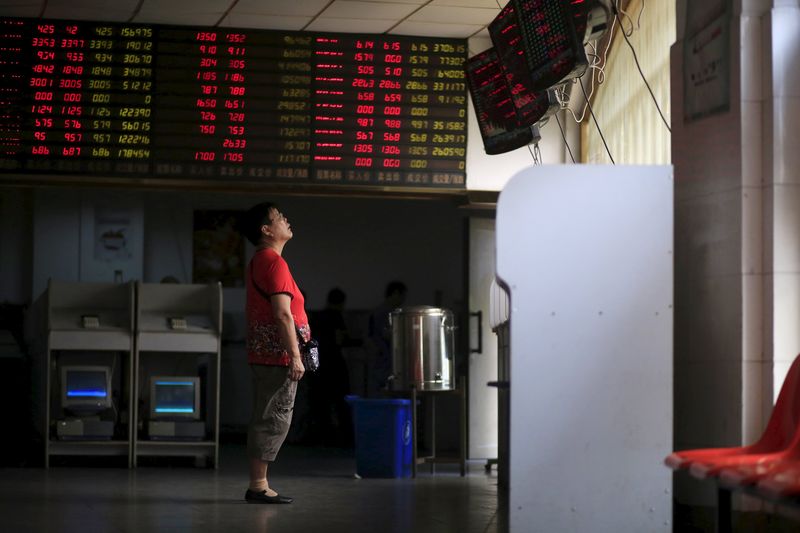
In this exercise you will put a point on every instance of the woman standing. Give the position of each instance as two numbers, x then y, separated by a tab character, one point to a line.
275	314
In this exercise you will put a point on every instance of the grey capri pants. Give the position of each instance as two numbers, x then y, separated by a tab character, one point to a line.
273	401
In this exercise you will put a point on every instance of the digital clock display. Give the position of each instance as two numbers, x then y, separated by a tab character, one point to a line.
103	99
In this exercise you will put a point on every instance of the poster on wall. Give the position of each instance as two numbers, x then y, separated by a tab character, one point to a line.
217	249
706	70
111	240
112	230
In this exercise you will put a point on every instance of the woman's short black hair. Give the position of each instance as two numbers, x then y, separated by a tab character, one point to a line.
250	222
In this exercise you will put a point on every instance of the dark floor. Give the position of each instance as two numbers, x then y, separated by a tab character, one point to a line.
772	519
751	514
175	497
171	495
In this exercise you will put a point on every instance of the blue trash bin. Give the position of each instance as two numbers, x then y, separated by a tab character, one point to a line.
383	436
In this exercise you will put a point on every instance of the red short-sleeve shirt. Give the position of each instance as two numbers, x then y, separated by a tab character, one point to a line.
271	274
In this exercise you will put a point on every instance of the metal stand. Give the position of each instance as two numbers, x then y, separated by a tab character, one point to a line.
432	459
724	508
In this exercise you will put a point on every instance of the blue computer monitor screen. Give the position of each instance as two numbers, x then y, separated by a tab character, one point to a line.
174	397
86	388
86	385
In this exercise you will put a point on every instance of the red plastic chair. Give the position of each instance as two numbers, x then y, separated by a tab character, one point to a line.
783	482
779	471
774	465
778	435
781	466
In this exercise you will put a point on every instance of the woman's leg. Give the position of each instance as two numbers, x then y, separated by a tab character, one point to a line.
273	400
258	477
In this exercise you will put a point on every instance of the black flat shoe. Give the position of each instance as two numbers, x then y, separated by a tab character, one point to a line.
252	496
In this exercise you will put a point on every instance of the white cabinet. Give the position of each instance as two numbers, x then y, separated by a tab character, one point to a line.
178	333
86	325
586	252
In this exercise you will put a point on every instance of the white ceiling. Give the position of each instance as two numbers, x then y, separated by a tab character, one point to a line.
436	18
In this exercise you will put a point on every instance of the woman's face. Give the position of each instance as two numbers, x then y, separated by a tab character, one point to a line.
280	228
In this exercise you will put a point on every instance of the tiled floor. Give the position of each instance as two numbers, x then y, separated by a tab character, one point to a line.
328	498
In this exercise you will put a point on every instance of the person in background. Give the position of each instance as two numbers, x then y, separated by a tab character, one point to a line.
274	313
380	334
331	414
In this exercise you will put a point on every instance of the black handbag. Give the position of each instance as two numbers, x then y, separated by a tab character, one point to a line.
309	351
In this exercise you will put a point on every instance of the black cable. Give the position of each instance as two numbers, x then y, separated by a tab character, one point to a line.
595	122
533	156
639	18
563	136
636	59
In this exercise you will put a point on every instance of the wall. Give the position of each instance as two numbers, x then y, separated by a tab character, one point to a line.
56	238
357	244
781	186
737	252
482	399
708	277
63	235
16	209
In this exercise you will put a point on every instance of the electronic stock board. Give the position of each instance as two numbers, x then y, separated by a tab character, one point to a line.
239	105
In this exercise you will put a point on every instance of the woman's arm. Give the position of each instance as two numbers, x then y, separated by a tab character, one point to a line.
282	311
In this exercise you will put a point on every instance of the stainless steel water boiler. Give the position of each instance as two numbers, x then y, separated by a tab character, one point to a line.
422	348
